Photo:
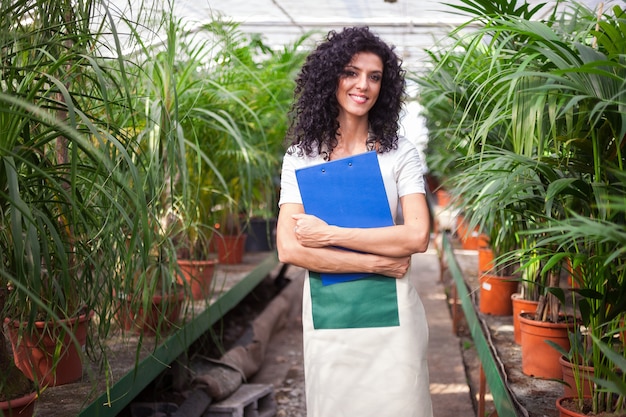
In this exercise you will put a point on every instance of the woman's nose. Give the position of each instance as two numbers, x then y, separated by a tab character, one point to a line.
362	83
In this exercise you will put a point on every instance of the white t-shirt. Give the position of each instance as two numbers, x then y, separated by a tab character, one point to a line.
401	169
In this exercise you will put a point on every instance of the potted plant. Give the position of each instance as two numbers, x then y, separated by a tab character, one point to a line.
152	301
486	208
576	365
600	301
230	238
249	91
461	97
70	179
195	263
48	305
535	134
50	208
588	233
169	89
17	393
613	385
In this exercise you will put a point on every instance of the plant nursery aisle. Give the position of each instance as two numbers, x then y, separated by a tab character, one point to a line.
531	397
282	367
454	362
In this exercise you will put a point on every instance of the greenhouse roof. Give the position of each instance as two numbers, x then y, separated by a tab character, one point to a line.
411	25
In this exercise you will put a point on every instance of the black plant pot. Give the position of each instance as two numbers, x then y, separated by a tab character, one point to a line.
261	235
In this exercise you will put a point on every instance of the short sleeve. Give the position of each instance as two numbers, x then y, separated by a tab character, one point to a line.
409	169
289	191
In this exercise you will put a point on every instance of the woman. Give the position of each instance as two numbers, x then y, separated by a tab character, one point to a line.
365	340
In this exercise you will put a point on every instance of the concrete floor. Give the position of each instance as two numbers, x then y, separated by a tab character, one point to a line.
448	382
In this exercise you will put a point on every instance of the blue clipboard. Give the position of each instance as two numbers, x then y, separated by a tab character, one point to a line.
347	192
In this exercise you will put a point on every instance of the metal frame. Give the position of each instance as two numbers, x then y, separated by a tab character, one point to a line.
491	372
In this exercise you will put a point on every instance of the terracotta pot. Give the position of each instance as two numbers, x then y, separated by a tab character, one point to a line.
461	228
230	248
520	305
19	407
443	198
584	375
566	411
539	358
198	275
470	240
485	259
34	354
163	313
495	294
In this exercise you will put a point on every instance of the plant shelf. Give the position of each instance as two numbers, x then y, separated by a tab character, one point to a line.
135	367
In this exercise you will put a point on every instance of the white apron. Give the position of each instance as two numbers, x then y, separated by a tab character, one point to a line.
366	371
365	341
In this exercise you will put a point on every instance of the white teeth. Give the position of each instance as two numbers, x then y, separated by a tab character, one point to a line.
360	99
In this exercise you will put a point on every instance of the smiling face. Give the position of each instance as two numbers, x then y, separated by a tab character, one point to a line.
359	84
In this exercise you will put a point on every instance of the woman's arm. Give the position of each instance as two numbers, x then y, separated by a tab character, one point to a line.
395	241
328	259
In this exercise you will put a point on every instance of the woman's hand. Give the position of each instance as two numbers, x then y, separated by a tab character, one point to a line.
311	231
324	254
393	267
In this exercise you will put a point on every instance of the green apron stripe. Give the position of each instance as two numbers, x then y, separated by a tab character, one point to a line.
363	303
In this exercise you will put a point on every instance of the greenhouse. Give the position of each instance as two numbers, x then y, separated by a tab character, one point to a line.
145	268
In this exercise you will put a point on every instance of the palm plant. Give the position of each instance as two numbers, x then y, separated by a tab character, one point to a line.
478	96
539	110
66	164
596	247
166	89
90	186
591	78
240	121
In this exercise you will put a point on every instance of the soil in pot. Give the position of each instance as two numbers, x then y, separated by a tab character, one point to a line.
568	407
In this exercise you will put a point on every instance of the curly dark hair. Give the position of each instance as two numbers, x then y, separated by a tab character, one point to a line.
315	109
